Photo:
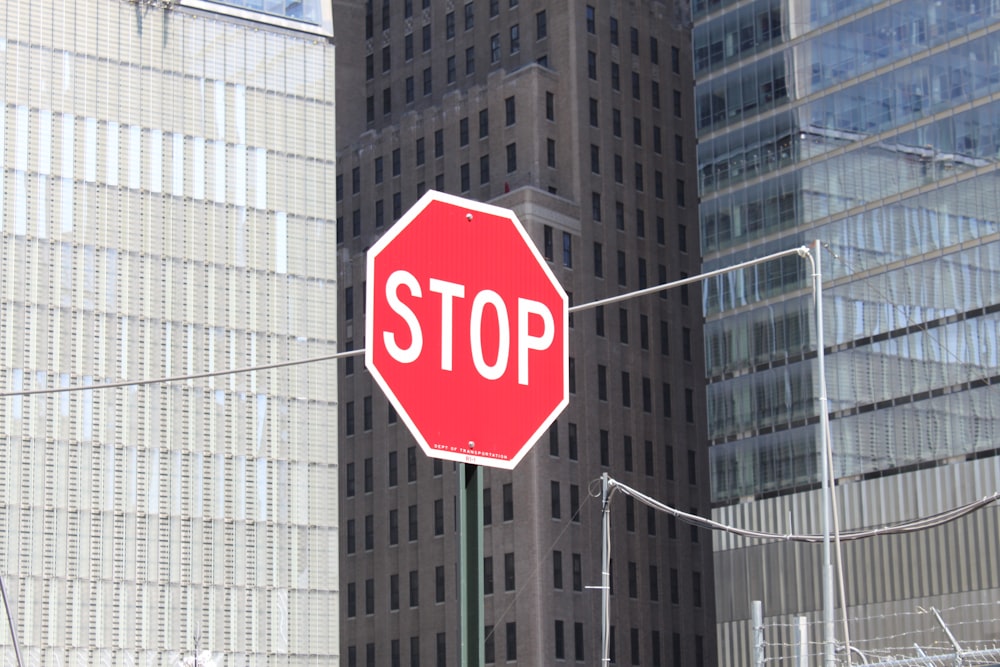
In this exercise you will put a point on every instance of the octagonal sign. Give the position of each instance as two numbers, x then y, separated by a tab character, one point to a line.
467	331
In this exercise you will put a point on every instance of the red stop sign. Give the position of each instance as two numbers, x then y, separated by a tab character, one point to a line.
467	331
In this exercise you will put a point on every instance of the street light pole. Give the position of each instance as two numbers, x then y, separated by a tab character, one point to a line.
829	635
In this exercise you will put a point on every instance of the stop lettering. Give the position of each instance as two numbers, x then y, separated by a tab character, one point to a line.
485	299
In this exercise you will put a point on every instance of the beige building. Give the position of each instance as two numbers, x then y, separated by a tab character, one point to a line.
164	213
579	117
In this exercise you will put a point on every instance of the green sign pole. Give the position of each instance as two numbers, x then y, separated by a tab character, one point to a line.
470	563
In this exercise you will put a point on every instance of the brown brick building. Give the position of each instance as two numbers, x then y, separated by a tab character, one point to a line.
579	118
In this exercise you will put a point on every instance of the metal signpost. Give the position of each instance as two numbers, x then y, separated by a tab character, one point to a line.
467	334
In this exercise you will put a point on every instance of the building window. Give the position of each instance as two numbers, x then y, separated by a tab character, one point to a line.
599	321
484	169
592	65
635	86
464	177
550	106
414	589
560	642
675	60
450	71
591	20
428	87
595	206
495	49
411	525
515	38
463	132
602	382
470	60
556	501
441	650
616	83
425	35
484	123
510	111
494	8
595	159
547	244
577	572
488	575
449	25
439	517
616	122
409	87
634	40
689	406
470	15
614	31
573	446
369	481
420	151
351	536
508	502
550	152
623	326
667	410
622	269
439	583
508	572
541	25
408	47
511	641
677	103
349	418
511	158
598	260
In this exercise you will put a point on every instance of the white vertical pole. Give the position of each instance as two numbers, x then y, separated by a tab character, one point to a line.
605	573
757	619
801	642
829	635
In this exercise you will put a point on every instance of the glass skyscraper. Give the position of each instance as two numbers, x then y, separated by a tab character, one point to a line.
165	212
874	130
873	127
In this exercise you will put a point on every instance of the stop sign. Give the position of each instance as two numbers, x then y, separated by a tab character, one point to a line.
467	331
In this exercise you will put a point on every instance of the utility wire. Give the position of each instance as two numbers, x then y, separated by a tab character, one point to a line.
901	528
801	251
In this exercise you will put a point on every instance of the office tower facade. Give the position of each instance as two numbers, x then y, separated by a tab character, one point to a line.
871	127
577	117
163	214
